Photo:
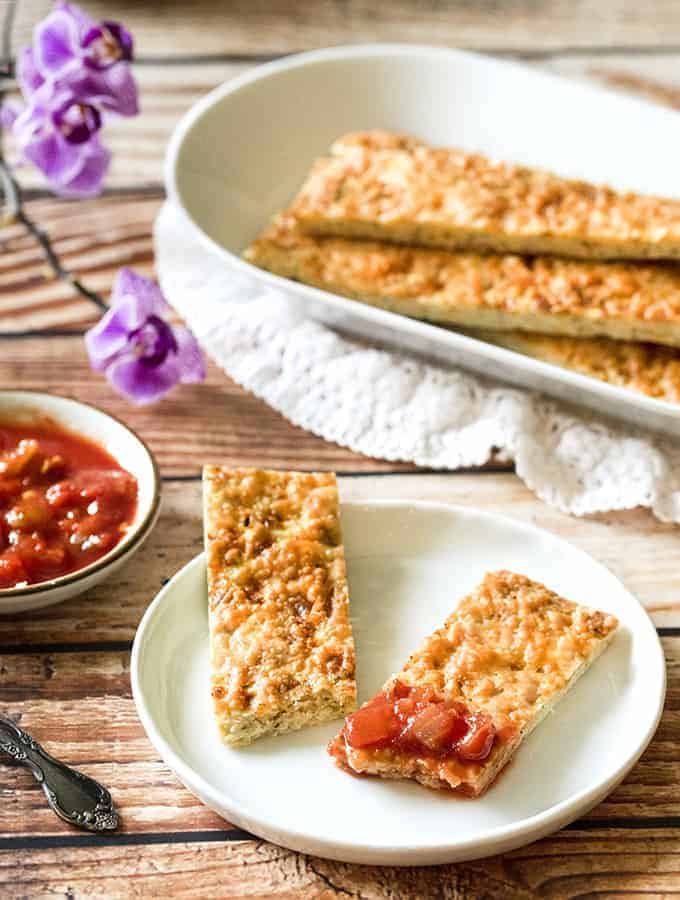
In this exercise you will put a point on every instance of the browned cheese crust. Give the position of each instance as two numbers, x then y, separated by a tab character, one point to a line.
281	646
645	368
623	301
394	188
510	649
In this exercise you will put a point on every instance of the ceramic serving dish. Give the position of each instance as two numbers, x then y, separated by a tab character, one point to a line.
129	451
241	153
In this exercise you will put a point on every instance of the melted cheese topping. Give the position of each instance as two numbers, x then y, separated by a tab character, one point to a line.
541	294
646	368
395	181
509	648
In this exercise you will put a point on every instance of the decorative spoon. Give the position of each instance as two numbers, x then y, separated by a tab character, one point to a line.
74	797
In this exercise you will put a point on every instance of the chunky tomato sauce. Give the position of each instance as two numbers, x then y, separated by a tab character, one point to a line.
64	502
418	720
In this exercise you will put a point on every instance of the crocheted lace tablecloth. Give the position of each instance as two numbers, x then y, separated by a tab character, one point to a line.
395	406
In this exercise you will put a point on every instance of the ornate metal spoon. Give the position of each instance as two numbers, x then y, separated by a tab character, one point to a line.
74	797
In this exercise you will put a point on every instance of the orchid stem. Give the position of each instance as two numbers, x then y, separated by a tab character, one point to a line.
12	191
43	239
16	213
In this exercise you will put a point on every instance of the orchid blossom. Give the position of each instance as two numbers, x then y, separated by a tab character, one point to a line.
72	77
142	354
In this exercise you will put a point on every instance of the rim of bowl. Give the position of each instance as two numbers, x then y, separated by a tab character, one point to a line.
129	540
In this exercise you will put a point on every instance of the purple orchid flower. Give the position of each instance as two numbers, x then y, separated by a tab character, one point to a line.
74	74
71	49
105	44
59	135
28	74
68	37
142	354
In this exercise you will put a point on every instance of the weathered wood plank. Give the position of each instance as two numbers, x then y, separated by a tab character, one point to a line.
572	864
174	31
82	711
654	77
80	707
112	611
93	238
245	27
183	430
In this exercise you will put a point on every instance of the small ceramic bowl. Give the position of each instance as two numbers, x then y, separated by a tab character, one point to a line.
128	450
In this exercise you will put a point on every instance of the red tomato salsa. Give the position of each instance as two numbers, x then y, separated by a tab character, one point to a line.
64	502
417	720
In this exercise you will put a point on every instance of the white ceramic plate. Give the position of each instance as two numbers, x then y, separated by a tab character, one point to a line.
242	152
408	563
131	453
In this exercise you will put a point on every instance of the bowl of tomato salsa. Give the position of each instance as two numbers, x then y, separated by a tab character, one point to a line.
79	493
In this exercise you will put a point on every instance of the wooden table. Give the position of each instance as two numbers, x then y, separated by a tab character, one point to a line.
64	671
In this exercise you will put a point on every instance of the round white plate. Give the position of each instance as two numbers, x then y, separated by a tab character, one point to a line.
408	564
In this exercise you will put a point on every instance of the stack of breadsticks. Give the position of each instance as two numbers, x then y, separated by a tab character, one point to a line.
571	273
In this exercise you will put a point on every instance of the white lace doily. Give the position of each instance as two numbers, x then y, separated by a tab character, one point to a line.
394	406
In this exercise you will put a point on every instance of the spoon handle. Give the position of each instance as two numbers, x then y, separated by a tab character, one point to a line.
74	797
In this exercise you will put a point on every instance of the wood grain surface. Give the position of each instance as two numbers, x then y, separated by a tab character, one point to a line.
612	863
576	864
93	238
70	688
64	671
258	28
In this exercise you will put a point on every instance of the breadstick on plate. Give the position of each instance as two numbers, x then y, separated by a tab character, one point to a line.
281	646
476	688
